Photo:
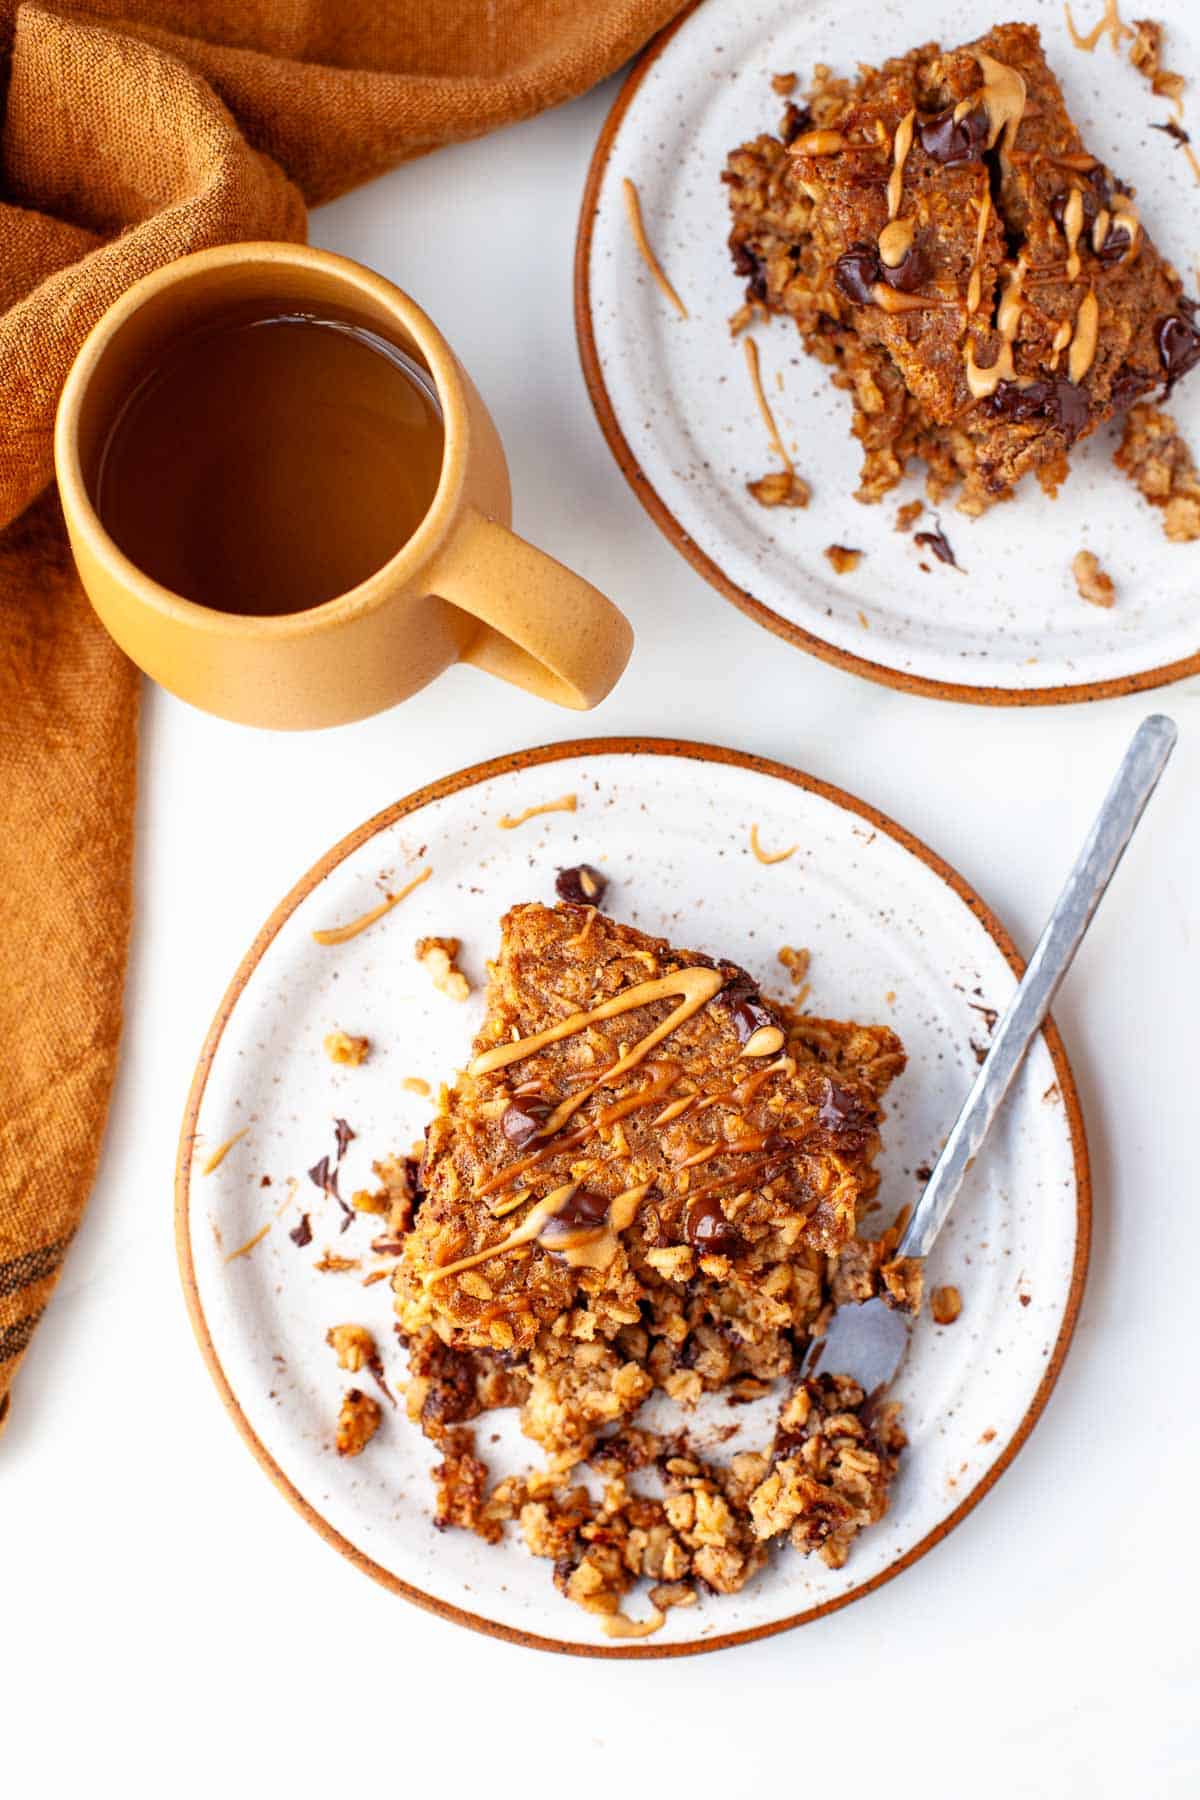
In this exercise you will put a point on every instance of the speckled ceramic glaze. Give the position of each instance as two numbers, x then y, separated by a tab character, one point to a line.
894	936
677	407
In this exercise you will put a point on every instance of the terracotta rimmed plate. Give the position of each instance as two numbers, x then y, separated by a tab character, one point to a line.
894	934
676	406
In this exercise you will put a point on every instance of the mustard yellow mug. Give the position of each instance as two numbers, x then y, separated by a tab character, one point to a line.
461	588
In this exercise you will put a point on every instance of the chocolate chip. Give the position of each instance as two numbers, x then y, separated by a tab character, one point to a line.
746	1004
795	120
1116	242
856	272
523	1118
952	141
1059	402
909	272
708	1230
581	886
842	1110
939	543
583	1211
301	1234
1178	348
1173	130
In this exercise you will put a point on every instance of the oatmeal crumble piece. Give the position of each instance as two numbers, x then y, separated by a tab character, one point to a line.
908	514
843	558
353	1346
781	487
358	1421
783	83
945	1304
796	963
1157	460
340	1047
1093	584
437	956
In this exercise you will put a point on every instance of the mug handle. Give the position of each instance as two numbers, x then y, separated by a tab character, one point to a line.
545	629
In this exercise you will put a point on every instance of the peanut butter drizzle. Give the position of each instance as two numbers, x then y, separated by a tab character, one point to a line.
1125	214
766	1041
619	1625
901	146
750	348
891	300
222	1151
695	987
341	934
248	1246
975	285
769	856
895	241
633	211
1003	98
1083	343
1110	21
1008	318
1062	338
564	803
1072	226
588	1246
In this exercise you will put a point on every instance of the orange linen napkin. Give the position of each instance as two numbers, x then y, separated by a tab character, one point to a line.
133	132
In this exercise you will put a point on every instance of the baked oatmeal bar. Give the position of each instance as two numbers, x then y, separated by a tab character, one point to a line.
649	1177
979	280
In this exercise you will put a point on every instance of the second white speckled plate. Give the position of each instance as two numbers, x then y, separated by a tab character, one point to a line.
677	408
894	935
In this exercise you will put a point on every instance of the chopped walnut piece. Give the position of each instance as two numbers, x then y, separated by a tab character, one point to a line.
340	1047
353	1346
945	1303
1159	463
1145	53
358	1421
437	955
1093	584
908	514
842	558
781	487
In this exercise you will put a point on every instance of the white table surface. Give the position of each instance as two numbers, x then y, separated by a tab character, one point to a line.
166	1620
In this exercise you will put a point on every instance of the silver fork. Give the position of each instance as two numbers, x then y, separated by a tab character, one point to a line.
869	1341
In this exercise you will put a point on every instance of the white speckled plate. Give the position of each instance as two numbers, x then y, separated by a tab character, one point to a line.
675	403
894	935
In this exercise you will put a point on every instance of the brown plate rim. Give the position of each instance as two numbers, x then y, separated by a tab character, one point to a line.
1115	687
453	784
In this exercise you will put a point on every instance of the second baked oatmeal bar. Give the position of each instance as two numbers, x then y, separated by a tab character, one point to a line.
981	283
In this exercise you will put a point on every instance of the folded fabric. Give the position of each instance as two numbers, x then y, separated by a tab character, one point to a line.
132	133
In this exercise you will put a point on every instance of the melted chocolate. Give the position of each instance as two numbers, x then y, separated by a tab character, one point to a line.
750	1013
939	543
583	1211
1116	242
1129	385
1178	348
842	1110
1061	403
581	886
708	1230
952	141
523	1118
909	272
856	272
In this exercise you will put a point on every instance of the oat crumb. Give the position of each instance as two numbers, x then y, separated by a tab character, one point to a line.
784	83
1093	584
908	514
1145	53
353	1346
358	1421
437	956
842	558
1159	463
340	1047
332	1264
781	487
945	1303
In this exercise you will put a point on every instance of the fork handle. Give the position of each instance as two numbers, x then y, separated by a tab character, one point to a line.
1135	781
